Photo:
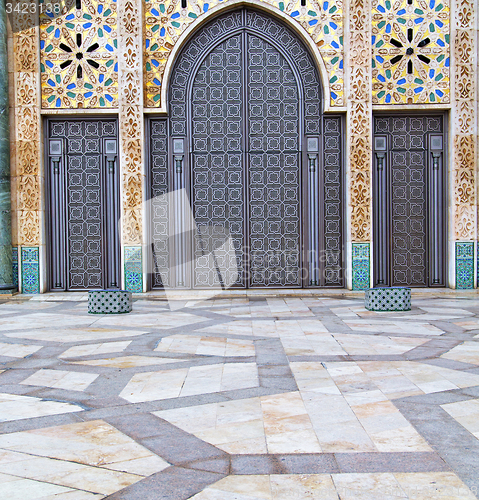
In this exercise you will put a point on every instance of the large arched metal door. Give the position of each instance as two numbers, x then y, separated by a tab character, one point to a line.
258	161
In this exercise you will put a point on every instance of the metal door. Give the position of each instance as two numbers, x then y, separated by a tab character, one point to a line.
254	152
84	202
409	201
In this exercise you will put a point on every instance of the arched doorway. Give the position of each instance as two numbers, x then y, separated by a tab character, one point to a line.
247	139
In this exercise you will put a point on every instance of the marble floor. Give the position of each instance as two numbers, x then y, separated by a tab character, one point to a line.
245	396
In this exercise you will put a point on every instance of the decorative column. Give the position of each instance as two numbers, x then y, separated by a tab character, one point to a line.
6	265
359	140
29	180
130	76
464	140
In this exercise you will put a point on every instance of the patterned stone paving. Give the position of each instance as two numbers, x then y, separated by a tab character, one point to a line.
240	397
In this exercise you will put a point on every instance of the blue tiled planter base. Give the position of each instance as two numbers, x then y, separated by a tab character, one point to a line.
388	299
109	302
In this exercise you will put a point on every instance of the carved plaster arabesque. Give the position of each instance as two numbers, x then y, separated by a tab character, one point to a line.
359	119
465	121
27	127
131	117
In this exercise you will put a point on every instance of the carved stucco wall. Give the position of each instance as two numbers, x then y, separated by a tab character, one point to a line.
131	117
28	183
359	119
464	121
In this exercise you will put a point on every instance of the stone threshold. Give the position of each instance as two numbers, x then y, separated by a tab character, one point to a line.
242	294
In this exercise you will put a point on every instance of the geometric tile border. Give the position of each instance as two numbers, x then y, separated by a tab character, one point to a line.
30	270
361	266
464	265
133	269
15	265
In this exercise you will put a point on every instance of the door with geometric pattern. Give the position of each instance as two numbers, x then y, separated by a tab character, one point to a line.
255	154
83	204
409	201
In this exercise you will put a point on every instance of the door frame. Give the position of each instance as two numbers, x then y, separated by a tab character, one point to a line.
110	213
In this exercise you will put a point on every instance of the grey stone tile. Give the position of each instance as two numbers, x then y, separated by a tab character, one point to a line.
458	447
220	465
390	462
449	363
177	446
255	464
174	483
324	463
286	384
28	424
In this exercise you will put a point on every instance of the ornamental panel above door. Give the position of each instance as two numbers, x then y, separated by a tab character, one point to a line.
83	204
409	201
247	140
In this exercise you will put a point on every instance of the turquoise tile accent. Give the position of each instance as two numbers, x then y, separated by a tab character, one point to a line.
30	270
15	265
133	269
464	264
361	266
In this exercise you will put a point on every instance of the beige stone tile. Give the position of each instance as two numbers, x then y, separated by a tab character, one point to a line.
238	488
59	379
15	488
313	377
94	479
466	413
298	441
70	474
62	334
392	326
239	376
348	436
129	361
202	380
161	320
462	408
45	320
245	446
13	407
18	350
383	422
434	486
380	345
75	495
233	426
467	352
368	486
399	439
40	467
151	386
95	349
93	443
141	466
362	401
230	433
303	486
191	419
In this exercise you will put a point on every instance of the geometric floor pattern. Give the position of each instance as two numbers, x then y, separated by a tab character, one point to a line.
241	397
